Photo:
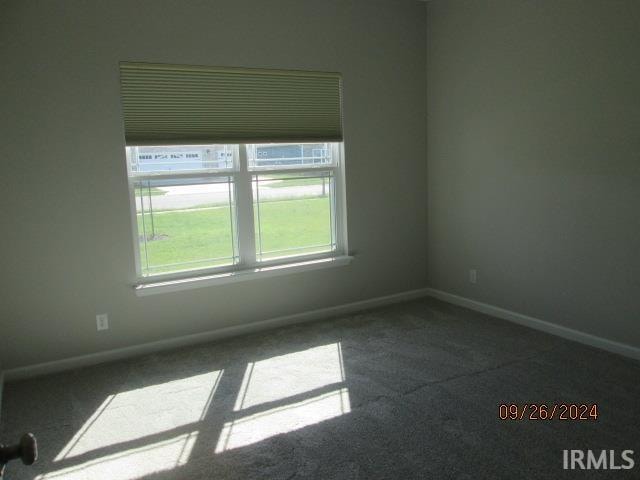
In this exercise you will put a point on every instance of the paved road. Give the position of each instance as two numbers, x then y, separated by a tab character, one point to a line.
180	197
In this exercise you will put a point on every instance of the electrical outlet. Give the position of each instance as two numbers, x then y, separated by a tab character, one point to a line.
102	321
473	276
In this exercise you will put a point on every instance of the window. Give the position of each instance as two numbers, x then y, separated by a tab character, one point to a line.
227	207
232	169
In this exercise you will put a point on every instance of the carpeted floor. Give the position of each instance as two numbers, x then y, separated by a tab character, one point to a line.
407	391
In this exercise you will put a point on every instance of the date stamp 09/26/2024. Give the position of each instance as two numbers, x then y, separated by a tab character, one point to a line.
542	411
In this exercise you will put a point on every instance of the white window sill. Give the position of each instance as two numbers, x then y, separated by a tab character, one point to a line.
145	289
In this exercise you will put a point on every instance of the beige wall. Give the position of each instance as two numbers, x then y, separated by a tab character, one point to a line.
534	158
66	242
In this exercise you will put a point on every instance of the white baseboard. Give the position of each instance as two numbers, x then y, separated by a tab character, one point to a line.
204	337
548	327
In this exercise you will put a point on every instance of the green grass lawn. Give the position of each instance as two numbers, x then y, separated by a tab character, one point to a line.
199	235
293	224
299	182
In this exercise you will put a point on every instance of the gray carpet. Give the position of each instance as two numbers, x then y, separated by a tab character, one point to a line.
407	391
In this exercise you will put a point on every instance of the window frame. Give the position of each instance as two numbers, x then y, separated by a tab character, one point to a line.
242	175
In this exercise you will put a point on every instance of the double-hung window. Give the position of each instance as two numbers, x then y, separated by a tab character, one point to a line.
232	170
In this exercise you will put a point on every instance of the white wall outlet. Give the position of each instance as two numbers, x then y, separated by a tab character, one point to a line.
473	276
102	321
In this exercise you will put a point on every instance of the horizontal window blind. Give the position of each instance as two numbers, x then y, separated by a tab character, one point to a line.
176	104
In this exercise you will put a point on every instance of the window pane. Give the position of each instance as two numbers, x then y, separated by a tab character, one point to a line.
293	214
289	155
185	224
182	158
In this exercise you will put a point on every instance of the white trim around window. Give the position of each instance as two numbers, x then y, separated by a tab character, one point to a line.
176	285
248	255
